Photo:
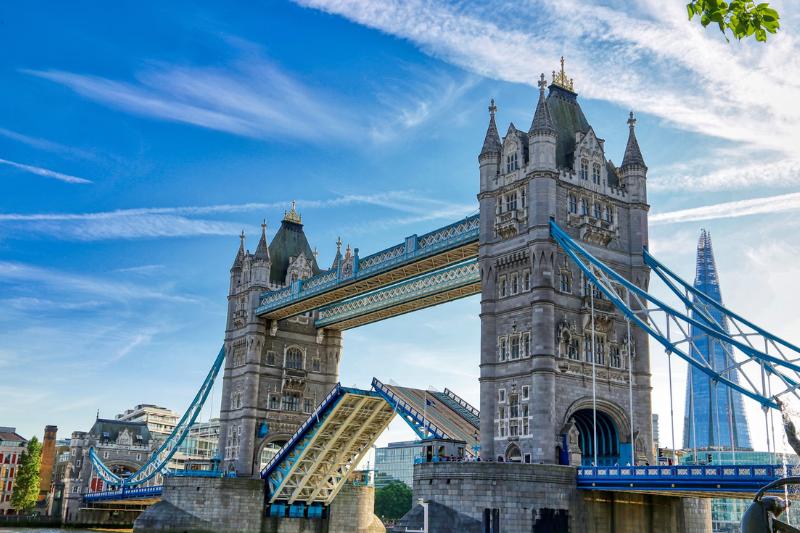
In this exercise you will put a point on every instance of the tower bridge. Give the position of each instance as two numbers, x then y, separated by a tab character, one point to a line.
558	253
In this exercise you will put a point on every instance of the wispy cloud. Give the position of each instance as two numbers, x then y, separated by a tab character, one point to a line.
253	98
44	144
182	221
47	173
732	174
616	55
754	206
105	289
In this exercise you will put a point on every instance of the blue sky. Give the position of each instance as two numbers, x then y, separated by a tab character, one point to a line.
137	140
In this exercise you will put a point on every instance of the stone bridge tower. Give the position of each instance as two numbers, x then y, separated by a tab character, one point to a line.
536	349
276	372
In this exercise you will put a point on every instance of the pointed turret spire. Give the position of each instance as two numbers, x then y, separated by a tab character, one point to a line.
542	119
338	258
491	144
237	263
262	250
633	155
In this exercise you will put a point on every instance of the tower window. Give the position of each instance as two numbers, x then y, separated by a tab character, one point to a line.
501	395
573	204
565	282
514	284
294	358
503	287
598	210
511	201
587	348
525	390
584	169
503	348
613	355
290	403
584	206
609	214
523	198
511	162
273	402
515	347
526	344
526	281
596	173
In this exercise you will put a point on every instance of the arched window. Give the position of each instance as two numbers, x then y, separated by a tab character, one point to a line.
584	169
573	204
294	358
596	173
565	282
584	206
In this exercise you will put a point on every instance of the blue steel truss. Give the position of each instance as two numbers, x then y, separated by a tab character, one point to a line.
640	308
157	464
416	420
414	289
411	250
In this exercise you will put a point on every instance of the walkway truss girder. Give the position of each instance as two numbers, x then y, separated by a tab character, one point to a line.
759	364
314	465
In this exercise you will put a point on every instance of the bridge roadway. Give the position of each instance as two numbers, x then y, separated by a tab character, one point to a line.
414	257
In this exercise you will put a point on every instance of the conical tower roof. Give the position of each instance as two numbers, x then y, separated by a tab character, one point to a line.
633	155
262	250
491	143
237	262
290	241
542	119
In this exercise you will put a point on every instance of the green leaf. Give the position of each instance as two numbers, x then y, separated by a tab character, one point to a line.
761	35
690	9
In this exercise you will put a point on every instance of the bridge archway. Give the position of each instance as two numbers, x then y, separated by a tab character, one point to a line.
513	454
608	441
268	449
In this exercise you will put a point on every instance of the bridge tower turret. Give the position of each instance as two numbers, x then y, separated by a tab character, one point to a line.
537	333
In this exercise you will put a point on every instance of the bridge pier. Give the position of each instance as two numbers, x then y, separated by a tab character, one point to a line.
541	498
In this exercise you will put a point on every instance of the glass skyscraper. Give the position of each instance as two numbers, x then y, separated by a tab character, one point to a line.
715	418
395	462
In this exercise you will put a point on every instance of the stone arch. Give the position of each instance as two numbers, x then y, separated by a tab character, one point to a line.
614	411
294	356
513	454
269	444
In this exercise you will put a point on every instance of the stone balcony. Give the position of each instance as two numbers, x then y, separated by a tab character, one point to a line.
593	230
507	224
294	379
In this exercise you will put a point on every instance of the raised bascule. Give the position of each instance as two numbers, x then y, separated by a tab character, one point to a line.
562	437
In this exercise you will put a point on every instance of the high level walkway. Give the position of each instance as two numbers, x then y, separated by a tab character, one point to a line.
415	256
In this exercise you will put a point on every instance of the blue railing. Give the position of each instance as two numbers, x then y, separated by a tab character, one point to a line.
124	493
708	478
413	417
412	249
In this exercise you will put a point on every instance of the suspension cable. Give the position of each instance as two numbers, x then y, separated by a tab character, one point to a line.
630	381
671	411
594	379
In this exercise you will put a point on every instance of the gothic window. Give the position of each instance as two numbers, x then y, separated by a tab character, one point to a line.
523	198
294	358
572	349
584	206
315	365
273	402
600	348
596	293
525	392
515	347
596	173
514	284
502	286
598	210
511	162
609	214
501	395
526	281
573	204
525	429
289	402
501	412
271	358
613	355
513	430
503	348
584	169
587	348
511	201
307	406
513	406
526	344
565	282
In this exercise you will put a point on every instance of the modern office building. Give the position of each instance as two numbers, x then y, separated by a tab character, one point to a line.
715	418
11	447
395	462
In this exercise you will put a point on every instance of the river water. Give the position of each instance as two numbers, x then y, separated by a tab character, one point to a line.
51	530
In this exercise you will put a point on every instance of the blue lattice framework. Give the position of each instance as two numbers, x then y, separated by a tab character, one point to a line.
417	255
433	288
461	406
421	424
157	464
778	369
145	494
312	466
724	481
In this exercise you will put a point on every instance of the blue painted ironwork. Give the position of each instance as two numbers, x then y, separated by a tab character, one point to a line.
432	283
411	250
700	479
157	464
418	422
461	406
124	493
607	281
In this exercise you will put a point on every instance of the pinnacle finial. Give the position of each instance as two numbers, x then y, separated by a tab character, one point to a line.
631	120
492	108
241	238
542	83
292	215
263	226
338	244
562	80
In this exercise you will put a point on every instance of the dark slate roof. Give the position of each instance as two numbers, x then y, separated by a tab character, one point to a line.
11	435
289	242
237	262
491	143
262	251
114	427
542	119
633	155
568	119
613	176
